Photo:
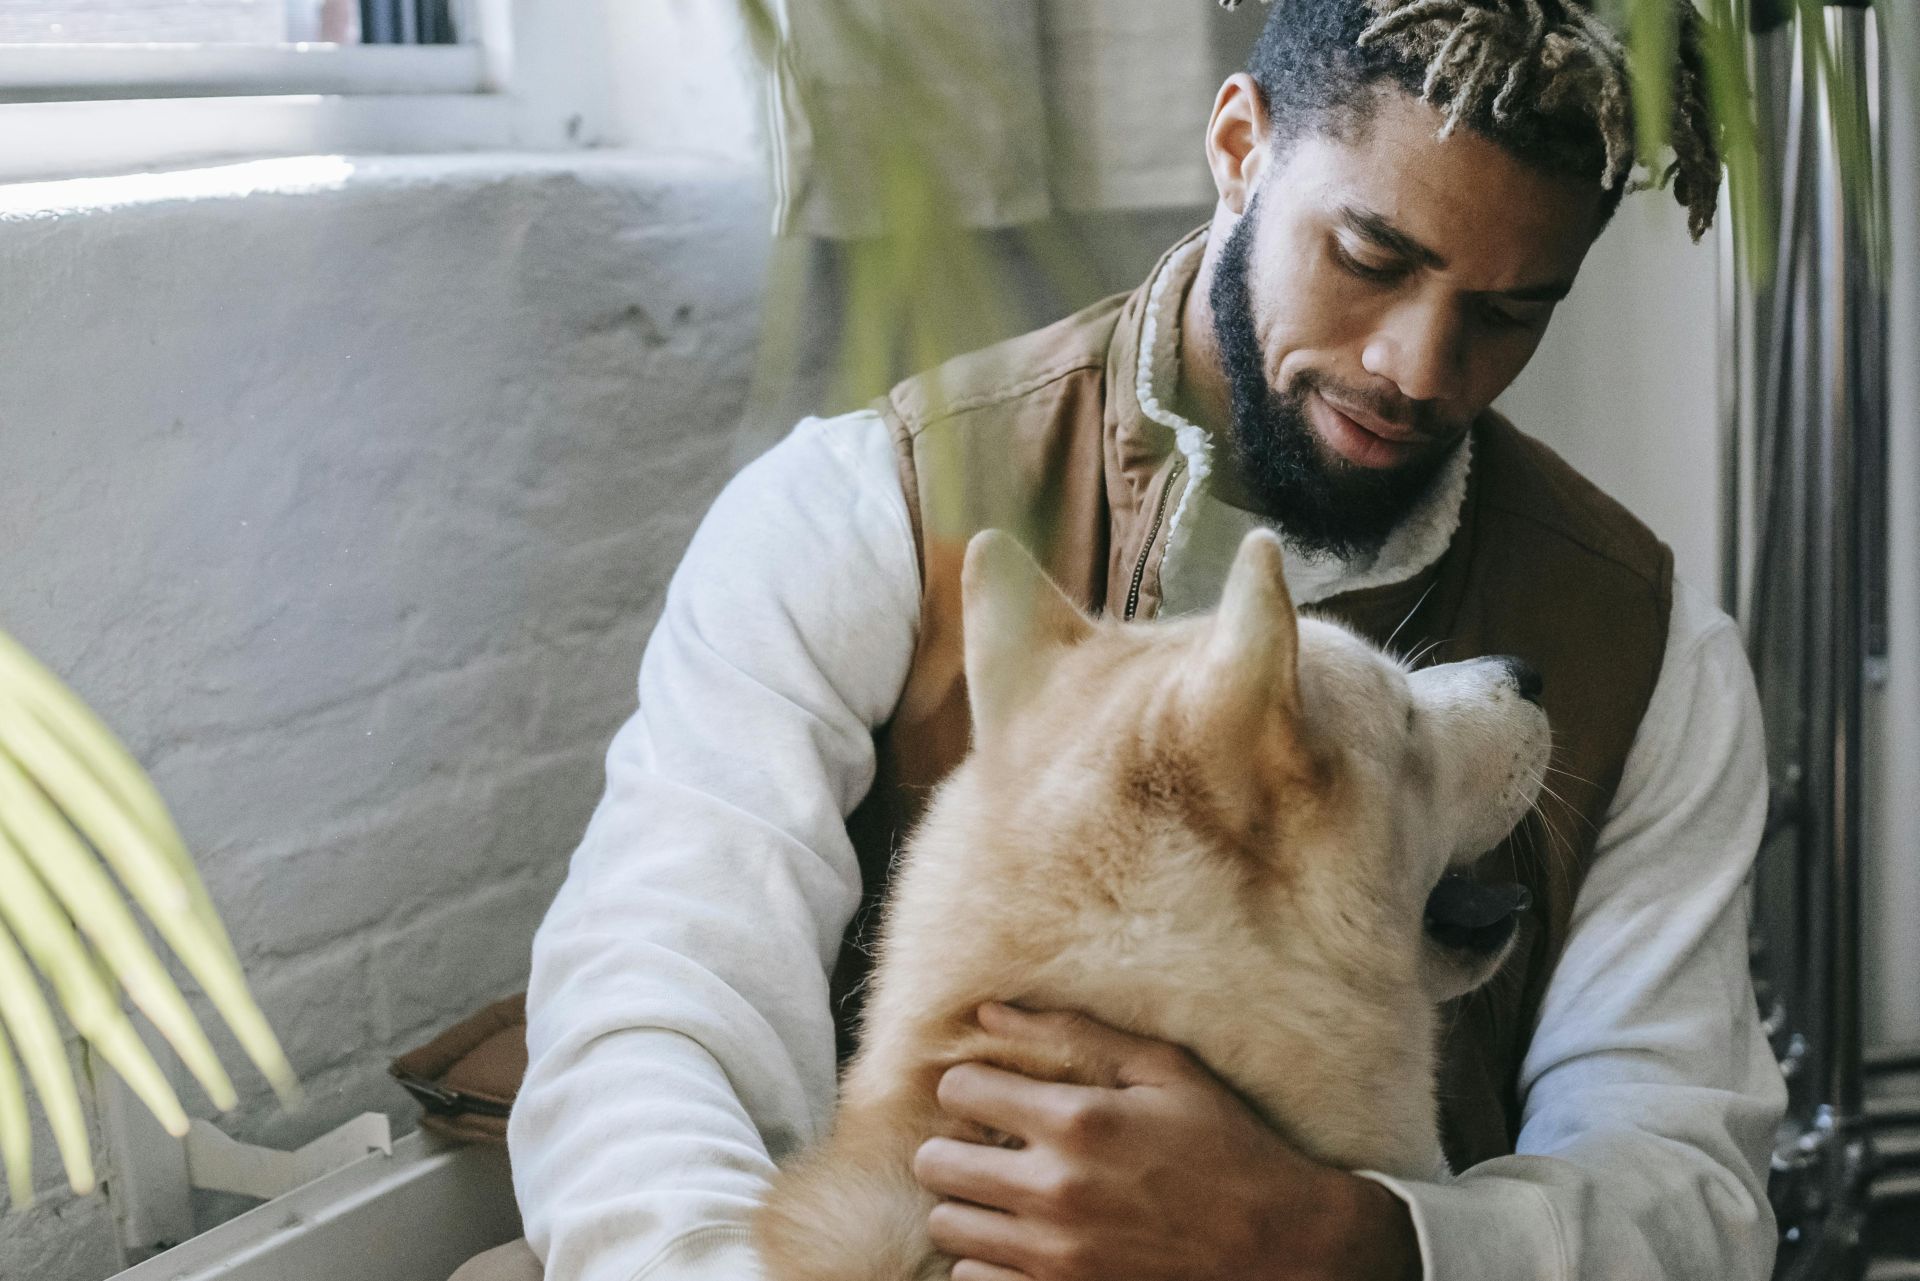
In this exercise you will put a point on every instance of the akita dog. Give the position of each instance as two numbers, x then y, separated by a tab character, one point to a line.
1223	831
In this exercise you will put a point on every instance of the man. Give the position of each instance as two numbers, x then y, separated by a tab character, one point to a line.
1405	191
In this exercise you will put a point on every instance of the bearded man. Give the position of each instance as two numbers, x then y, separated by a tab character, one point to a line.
1406	190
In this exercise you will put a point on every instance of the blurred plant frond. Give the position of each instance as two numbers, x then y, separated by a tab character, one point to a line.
923	286
901	139
70	797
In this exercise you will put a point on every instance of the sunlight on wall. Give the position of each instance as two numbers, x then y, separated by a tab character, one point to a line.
286	176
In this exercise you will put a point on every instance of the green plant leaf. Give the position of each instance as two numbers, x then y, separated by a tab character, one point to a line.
91	899
90	1004
24	1012
62	747
64	776
16	1133
1652	44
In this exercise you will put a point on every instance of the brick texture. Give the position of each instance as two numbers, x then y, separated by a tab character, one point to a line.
350	509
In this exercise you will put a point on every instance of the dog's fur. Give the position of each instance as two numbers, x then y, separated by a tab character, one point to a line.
1217	831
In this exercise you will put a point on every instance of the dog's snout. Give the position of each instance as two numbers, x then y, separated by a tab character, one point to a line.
1526	678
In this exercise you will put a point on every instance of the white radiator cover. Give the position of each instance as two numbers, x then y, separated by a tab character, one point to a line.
413	1216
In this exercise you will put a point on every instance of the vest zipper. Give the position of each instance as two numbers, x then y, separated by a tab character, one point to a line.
1153	532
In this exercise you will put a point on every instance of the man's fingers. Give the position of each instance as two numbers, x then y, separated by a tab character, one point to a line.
974	1270
1098	1050
970	1232
1013	1104
998	1178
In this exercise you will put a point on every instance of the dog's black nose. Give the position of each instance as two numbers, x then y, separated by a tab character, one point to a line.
1526	678
1464	913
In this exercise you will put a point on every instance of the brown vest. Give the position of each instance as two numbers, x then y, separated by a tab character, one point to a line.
1044	435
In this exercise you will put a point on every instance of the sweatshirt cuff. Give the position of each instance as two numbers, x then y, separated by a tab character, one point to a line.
1486	1228
718	1252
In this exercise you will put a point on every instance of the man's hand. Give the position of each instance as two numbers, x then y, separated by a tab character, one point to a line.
1167	1176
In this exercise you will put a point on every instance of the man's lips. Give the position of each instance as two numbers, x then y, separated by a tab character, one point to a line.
1361	438
1379	426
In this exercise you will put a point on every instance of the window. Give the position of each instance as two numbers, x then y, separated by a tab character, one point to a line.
68	50
227	22
96	87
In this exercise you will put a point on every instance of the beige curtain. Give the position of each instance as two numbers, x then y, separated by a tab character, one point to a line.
1020	107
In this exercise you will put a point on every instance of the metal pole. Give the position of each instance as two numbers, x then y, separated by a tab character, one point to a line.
1815	402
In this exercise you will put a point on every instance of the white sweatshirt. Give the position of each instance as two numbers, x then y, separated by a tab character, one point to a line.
679	1033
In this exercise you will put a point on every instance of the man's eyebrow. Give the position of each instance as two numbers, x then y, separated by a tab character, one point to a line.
1387	236
1376	228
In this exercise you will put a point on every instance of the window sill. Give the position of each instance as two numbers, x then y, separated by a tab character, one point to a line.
58	73
54	140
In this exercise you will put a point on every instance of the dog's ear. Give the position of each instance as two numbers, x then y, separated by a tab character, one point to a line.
1015	621
1252	658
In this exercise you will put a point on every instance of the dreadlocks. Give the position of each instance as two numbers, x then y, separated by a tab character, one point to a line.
1544	78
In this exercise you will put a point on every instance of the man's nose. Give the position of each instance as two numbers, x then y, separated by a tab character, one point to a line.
1417	346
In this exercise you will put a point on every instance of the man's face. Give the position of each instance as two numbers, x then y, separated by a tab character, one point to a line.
1374	297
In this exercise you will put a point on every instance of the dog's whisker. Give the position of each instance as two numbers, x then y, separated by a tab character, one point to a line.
1426	649
1567	773
1558	853
1410	613
1573	811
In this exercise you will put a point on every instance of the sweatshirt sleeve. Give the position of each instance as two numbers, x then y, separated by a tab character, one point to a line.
679	1036
1650	1094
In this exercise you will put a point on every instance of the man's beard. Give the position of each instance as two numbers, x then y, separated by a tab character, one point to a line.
1322	503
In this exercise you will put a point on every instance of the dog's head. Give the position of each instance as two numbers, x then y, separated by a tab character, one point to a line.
1344	788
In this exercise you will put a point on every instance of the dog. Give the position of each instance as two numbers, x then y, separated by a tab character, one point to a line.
1227	831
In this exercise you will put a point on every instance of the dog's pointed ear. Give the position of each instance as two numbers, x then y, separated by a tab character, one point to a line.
1253	655
1015	622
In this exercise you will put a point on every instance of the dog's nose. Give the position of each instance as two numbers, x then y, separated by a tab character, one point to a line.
1526	678
1463	912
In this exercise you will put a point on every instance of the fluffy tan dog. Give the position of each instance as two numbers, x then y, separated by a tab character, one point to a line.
1219	831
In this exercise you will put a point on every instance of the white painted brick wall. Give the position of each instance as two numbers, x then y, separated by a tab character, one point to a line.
350	509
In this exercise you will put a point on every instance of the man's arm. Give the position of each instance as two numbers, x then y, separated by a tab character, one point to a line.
678	1019
1651	1097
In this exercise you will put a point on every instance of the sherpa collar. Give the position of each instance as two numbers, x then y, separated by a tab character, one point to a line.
1203	532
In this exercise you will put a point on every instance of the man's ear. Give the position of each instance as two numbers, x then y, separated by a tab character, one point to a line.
1237	145
1015	622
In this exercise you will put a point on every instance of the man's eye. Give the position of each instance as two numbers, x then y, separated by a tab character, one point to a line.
1367	271
1499	317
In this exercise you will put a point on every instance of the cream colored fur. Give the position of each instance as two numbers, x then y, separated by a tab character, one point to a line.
1217	831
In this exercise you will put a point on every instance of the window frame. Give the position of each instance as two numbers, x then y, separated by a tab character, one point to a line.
106	72
80	112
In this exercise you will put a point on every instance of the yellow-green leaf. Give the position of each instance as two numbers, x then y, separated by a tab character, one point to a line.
91	899
24	1011
16	1135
